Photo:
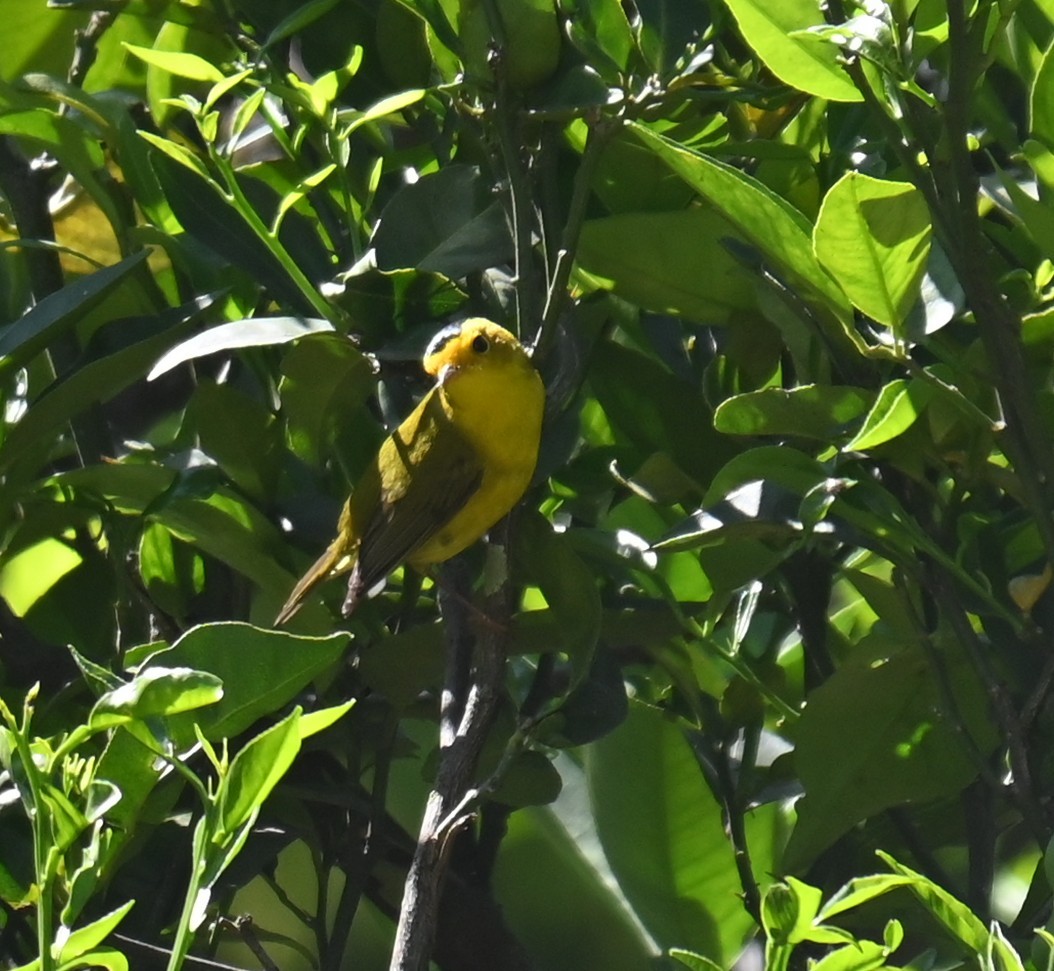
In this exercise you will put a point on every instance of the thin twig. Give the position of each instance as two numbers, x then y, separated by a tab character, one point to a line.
599	134
1020	789
717	771
357	873
505	119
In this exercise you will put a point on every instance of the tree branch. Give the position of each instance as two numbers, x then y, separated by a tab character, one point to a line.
466	718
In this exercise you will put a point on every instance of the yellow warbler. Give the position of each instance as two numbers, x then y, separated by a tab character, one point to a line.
450	471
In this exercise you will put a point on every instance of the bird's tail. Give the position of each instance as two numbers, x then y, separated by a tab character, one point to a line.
331	563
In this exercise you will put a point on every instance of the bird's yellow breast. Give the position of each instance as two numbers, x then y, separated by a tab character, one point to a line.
499	409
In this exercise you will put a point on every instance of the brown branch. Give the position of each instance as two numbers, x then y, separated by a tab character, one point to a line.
466	717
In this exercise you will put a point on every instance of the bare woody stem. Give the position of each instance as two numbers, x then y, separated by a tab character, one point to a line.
471	693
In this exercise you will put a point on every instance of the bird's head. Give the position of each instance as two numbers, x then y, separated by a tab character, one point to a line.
472	344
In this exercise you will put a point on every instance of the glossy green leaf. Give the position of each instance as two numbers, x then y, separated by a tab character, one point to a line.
597	705
1001	955
298	19
656	410
662	832
261	670
811	411
90	936
324	380
602	28
158	690
694	961
216	522
237	334
551	880
862	890
181	63
806	63
1037	215
548	560
72	139
60	311
100	959
1041	106
895	410
858	956
240	434
873	235
97	380
208	214
768	224
777	464
950	912
529	780
669	262
255	771
904	748
445	223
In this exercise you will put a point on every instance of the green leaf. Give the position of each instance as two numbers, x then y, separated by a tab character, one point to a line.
552	880
1037	215
209	215
1001	955
777	464
663	836
298	20
325	379
529	780
73	140
668	262
96	381
656	410
789	915
692	960
381	109
861	890
180	154
255	771
1042	101
261	670
60	311
597	705
873	235
807	64
236	334
895	410
400	667
65	821
445	223
950	912
548	560
105	958
858	956
767	223
904	749
180	63
157	691
92	935
240	434
811	411
313	722
601	30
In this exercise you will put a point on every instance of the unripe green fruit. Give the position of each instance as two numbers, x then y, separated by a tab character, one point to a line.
531	42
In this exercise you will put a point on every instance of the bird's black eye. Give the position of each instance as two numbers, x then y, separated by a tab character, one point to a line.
480	344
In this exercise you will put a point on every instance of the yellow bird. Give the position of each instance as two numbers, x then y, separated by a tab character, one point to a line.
461	460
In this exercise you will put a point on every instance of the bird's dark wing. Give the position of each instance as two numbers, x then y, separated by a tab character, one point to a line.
428	471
